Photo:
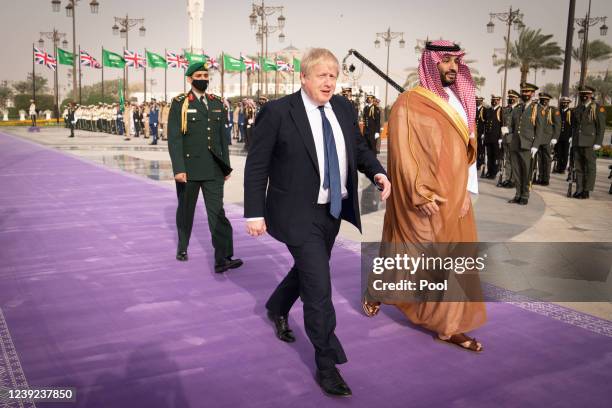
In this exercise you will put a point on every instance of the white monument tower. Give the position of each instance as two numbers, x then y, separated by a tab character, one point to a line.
195	10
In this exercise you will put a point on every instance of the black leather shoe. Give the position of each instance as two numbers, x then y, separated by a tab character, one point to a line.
281	325
544	183
229	263
577	194
584	195
515	200
181	256
523	201
332	383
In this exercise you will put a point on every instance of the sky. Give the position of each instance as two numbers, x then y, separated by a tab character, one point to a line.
335	24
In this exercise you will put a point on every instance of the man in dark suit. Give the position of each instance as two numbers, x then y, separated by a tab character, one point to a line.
493	125
200	161
300	182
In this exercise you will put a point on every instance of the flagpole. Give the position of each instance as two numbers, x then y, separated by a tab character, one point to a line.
241	78
55	85
222	74
166	76
145	75
33	75
276	76
102	72
184	82
80	96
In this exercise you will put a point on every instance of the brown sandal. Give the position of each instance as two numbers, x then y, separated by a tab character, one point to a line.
460	339
370	309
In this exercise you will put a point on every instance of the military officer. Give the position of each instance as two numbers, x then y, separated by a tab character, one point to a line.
512	102
200	161
70	118
371	128
588	132
493	125
565	135
480	129
549	128
523	145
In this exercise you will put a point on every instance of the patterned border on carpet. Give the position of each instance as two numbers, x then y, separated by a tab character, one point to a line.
495	293
11	372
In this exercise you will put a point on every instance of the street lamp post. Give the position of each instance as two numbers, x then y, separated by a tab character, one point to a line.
71	12
54	36
583	34
122	26
388	36
258	20
511	17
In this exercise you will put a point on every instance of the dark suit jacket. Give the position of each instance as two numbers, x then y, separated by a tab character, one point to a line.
281	180
493	124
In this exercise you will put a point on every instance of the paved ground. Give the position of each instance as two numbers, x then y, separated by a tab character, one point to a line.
92	297
549	217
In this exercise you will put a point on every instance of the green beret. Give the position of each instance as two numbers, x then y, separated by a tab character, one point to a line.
196	66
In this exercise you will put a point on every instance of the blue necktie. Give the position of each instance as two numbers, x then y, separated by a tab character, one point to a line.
331	168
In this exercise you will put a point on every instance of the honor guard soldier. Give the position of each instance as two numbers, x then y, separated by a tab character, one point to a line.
512	103
523	145
588	132
493	125
565	135
371	128
200	161
549	128
480	129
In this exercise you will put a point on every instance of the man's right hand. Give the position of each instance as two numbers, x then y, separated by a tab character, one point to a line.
256	228
432	207
180	177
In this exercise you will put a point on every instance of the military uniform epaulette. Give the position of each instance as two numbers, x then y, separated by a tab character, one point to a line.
179	97
213	96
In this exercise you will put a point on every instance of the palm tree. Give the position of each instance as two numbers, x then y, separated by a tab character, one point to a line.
598	51
531	50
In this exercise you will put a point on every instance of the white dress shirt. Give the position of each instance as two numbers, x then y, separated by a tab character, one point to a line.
472	184
316	125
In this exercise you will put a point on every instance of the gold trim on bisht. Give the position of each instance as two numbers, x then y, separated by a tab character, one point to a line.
447	109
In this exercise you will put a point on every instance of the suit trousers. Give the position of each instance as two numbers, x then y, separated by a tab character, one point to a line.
309	279
584	163
544	162
219	225
507	170
521	171
562	153
492	157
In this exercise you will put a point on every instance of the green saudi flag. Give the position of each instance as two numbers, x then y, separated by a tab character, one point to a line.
112	60
297	65
65	57
195	57
232	64
267	65
155	60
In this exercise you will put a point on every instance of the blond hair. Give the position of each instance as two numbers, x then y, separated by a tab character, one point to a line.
315	56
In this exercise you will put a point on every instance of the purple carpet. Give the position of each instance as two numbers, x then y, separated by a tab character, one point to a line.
94	299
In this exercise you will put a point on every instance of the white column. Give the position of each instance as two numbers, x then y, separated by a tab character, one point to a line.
195	11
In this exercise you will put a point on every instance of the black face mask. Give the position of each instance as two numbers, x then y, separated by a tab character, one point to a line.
200	84
526	98
494	103
510	101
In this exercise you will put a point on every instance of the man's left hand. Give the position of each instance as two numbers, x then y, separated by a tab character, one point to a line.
466	205
227	177
383	182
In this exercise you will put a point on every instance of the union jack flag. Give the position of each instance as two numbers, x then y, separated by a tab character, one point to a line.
43	58
250	64
282	65
88	61
176	60
133	59
213	63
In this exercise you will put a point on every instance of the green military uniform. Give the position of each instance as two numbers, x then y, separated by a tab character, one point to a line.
587	131
523	127
197	147
507	138
549	128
